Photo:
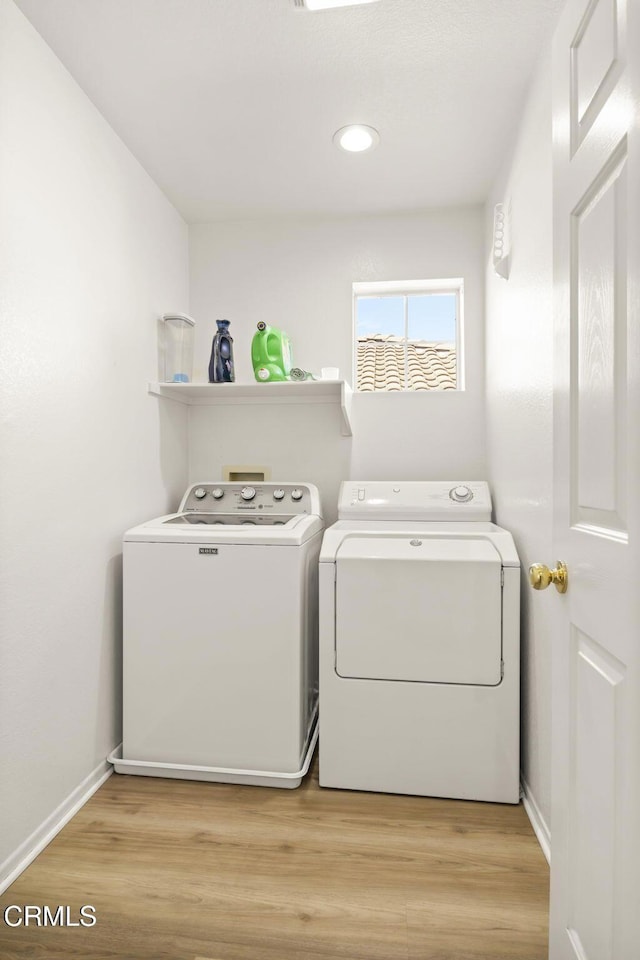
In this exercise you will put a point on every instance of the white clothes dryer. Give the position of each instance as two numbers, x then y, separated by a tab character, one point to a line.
419	643
220	663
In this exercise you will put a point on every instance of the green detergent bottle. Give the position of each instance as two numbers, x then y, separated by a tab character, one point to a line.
270	354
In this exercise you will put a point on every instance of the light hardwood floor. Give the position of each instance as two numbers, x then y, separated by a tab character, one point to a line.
194	871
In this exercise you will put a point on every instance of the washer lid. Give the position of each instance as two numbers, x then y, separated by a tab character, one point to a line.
423	610
231	519
175	528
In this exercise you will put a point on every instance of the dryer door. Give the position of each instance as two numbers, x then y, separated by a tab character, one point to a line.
420	609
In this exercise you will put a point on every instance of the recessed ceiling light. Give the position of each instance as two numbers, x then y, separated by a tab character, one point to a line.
326	4
356	138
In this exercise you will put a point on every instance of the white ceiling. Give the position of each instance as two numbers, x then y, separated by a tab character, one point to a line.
231	104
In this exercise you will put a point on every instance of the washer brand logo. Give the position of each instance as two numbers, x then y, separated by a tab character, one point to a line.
208	550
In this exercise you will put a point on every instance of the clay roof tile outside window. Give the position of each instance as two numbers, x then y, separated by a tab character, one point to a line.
381	364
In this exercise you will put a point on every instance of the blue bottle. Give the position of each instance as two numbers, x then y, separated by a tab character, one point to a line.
221	364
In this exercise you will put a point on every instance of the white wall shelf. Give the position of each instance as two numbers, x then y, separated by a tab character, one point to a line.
306	391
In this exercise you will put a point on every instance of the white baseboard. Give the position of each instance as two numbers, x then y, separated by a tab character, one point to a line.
539	824
20	859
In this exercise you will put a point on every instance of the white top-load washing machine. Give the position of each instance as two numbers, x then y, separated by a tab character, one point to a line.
220	636
419	643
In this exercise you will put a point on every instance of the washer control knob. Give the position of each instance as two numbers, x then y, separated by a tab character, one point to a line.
200	493
218	493
296	494
278	494
248	493
461	494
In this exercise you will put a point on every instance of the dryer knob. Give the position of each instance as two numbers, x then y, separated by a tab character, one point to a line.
200	493
248	493
217	494
296	494
461	494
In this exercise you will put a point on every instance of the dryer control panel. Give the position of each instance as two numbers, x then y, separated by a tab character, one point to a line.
430	500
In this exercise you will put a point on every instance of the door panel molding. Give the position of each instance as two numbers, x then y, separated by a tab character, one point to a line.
597	62
598	332
596	687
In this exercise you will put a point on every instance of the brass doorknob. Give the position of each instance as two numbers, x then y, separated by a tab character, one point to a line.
540	576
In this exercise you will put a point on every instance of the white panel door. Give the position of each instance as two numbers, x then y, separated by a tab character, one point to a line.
595	826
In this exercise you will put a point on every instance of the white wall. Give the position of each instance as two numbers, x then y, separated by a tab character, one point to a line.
298	275
90	254
519	406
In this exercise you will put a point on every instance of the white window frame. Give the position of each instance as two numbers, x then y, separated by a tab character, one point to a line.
408	288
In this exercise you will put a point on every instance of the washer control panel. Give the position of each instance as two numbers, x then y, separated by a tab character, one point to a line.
243	498
432	500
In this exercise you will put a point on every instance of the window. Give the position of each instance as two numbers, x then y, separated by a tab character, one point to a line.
408	335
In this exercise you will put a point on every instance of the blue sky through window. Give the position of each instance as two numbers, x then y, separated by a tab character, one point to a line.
432	316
